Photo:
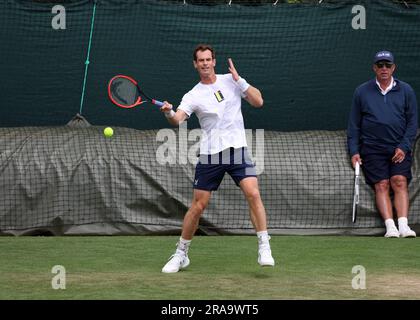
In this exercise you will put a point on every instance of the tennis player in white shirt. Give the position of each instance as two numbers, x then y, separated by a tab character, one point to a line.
216	101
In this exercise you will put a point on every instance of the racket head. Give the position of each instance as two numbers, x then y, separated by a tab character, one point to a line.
355	204
353	218
356	196
124	92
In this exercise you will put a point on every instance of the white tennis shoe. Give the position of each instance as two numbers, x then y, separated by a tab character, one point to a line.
406	232
265	259
392	232
176	262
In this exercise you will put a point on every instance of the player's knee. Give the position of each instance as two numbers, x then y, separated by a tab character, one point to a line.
382	186
398	183
253	194
198	207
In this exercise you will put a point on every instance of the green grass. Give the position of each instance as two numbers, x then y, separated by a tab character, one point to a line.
222	268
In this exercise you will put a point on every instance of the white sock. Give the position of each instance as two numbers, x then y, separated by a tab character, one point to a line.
263	239
389	224
183	246
402	223
262	234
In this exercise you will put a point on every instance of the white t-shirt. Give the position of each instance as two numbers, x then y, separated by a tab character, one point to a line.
218	109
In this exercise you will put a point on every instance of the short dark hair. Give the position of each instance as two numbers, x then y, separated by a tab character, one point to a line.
203	47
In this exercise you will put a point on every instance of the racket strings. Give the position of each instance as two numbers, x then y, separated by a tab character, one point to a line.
124	92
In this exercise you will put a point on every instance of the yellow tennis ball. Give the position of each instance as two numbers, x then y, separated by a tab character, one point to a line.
108	132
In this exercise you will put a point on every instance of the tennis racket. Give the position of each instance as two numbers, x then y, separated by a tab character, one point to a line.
125	92
356	191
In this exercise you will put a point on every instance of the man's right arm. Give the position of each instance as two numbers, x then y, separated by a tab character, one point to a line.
353	128
174	118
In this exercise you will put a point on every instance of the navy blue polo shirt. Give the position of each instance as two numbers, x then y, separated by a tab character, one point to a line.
380	121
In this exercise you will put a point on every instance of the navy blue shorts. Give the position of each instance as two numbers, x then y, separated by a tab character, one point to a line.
377	166
211	169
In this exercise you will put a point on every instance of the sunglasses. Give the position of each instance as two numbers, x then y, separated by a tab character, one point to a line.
380	65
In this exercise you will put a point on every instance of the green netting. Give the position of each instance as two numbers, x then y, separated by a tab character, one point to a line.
74	180
306	58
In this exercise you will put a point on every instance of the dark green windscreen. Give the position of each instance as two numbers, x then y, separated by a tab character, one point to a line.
305	58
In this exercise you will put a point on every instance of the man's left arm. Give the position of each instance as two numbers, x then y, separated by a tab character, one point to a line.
411	120
254	97
252	94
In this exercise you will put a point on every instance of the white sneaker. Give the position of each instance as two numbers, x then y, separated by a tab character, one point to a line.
264	257
176	262
392	233
407	233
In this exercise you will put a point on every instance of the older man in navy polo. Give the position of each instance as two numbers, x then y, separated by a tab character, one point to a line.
380	135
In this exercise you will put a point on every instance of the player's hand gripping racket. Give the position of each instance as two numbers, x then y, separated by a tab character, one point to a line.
356	190
125	92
